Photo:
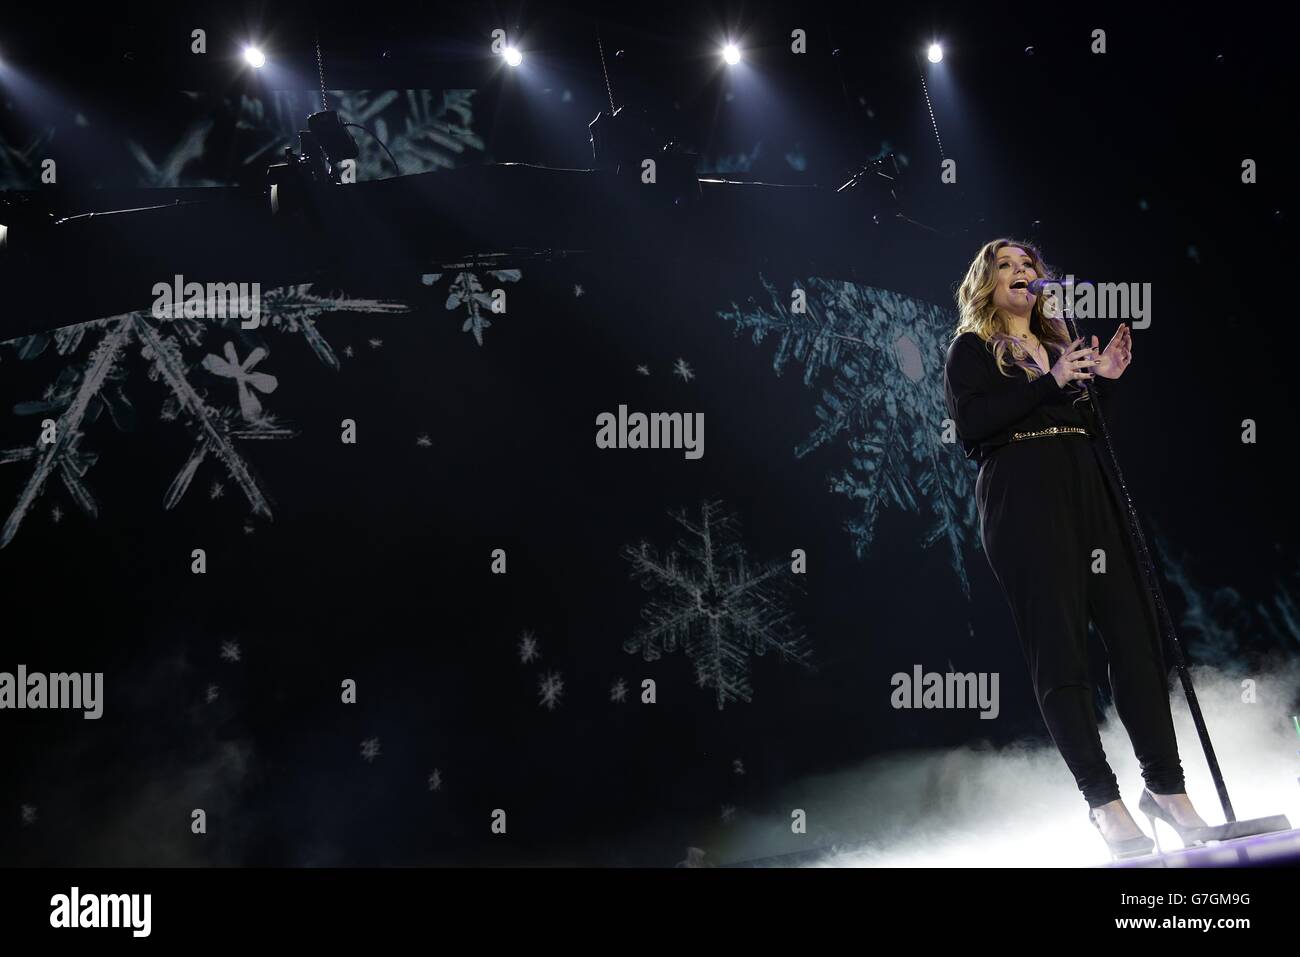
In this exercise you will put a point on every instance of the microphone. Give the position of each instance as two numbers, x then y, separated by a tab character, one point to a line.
1036	286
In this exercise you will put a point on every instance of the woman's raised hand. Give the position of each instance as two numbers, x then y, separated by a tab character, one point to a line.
1072	363
1116	356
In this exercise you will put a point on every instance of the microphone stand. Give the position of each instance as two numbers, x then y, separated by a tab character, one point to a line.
1244	828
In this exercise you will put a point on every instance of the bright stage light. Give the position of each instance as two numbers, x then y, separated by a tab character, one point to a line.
255	57
935	53
513	56
731	53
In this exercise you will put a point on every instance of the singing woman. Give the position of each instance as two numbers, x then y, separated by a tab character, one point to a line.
1017	389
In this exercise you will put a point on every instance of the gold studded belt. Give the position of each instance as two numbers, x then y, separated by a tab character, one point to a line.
1054	430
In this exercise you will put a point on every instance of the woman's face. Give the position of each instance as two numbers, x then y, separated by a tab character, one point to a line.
1014	268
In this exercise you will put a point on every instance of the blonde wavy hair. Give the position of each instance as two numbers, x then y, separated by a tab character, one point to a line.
977	313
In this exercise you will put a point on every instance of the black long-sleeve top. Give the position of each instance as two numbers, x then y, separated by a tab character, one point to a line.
989	406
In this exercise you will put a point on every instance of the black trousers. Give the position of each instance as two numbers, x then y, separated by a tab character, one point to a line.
1045	506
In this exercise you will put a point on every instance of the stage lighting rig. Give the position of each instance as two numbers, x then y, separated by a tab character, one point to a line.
323	148
881	172
622	142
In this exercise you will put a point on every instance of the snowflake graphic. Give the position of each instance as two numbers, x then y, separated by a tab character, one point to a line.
694	858
643	370
466	289
423	440
732	162
550	688
718	607
245	380
578	291
618	691
230	651
97	383
435	780
376	343
20	167
683	371
370	749
213	693
56	514
28	813
528	647
883	355
728	812
217	491
424	130
1222	622
167	172
737	766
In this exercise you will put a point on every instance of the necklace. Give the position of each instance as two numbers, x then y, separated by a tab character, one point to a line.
1036	347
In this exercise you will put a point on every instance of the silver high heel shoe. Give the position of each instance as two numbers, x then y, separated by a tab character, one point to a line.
1125	848
1188	835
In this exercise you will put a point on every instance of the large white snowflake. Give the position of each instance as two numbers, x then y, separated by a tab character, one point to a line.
877	358
716	605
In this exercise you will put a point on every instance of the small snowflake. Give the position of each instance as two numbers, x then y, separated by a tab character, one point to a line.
424	441
435	780
376	343
216	491
56	514
728	812
681	369
249	529
347	351
528	648
618	690
213	692
28	814
737	766
230	651
550	687
643	370
370	749
578	291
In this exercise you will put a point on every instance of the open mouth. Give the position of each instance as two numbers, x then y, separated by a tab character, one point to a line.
1020	284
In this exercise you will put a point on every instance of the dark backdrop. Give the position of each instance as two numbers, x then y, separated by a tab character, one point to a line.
374	562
